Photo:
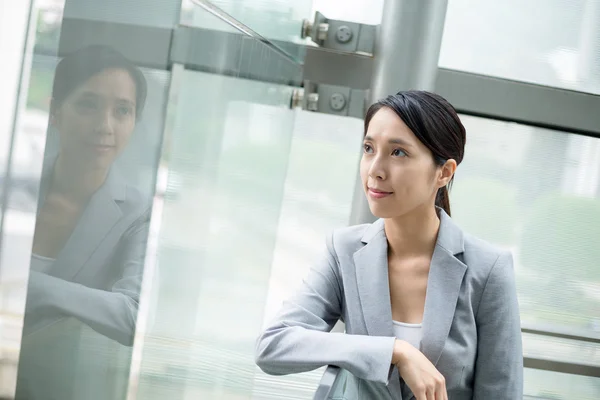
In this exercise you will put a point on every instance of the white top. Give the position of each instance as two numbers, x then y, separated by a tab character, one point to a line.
41	263
412	333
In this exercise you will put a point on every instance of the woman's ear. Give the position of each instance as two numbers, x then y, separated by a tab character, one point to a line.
447	172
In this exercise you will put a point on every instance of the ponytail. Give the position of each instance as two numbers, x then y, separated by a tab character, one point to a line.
442	199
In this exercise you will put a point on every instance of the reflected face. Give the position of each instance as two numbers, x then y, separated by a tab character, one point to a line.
97	119
398	172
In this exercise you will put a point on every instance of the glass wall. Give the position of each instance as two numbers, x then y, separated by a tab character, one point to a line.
13	33
546	42
536	192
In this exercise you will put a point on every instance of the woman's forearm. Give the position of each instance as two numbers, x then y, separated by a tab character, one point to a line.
110	313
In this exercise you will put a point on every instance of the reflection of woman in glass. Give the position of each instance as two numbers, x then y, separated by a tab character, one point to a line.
91	227
430	312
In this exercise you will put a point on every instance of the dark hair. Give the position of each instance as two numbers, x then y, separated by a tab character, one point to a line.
79	66
434	122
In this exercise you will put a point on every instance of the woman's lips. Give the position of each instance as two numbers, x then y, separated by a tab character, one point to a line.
101	148
378	194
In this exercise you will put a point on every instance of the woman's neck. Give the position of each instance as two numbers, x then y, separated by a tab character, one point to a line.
75	181
413	234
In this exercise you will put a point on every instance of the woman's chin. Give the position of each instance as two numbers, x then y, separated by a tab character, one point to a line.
380	212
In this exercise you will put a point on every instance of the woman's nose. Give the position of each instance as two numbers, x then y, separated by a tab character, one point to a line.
105	124
377	170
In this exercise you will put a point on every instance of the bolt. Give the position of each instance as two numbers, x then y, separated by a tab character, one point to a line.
297	98
322	31
343	34
306	28
337	101
313	102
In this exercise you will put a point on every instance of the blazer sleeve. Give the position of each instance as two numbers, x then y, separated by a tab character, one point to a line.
111	313
499	364
299	338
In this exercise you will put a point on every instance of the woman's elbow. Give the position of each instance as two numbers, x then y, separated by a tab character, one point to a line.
261	354
266	355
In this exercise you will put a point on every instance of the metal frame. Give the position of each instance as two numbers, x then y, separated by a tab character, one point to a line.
240	55
327	383
340	35
522	102
561	333
472	94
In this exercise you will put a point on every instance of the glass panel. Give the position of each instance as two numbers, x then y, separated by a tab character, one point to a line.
273	19
279	228
21	152
14	239
230	152
155	13
548	385
567	350
89	126
227	166
317	198
544	189
504	39
83	292
361	11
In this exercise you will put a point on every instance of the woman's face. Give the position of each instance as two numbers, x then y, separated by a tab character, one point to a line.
397	170
96	120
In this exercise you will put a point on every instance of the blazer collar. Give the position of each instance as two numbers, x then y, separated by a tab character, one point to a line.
450	236
99	217
115	185
446	273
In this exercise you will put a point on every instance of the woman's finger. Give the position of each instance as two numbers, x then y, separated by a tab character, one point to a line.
440	393
431	393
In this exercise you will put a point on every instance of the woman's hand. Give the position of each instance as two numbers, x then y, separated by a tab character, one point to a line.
418	372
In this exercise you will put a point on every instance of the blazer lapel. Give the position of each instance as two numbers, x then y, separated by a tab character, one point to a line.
371	266
446	274
99	217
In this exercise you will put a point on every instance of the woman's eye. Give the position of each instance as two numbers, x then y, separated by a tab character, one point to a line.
367	148
123	111
398	153
87	104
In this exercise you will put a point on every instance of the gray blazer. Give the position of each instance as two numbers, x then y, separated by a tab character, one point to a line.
105	252
471	325
95	282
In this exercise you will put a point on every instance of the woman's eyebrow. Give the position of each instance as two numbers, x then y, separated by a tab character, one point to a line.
126	101
392	141
88	93
95	95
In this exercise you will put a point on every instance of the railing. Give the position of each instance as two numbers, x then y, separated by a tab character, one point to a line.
328	382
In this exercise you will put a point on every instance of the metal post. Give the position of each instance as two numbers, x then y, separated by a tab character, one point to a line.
406	56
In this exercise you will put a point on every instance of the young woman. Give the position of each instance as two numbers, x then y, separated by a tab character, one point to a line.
91	226
430	312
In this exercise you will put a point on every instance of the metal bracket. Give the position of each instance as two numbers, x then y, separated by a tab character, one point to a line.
344	36
330	99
